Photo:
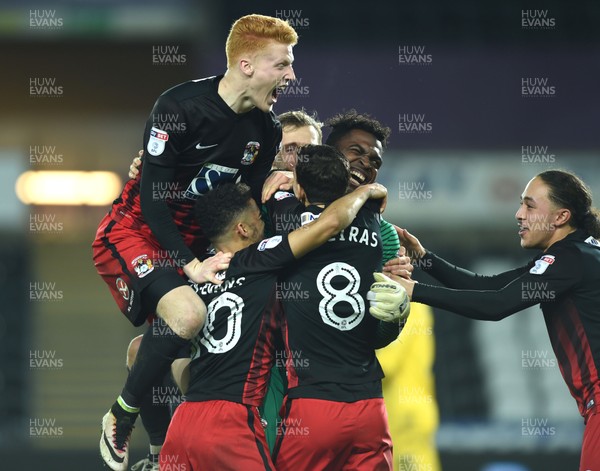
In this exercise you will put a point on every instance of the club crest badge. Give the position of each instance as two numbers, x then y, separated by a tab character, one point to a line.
142	265
250	153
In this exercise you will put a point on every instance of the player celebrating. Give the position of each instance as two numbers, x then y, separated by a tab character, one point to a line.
298	129
362	139
225	129
334	378
232	355
556	217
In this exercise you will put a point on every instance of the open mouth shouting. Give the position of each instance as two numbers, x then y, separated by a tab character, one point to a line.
278	90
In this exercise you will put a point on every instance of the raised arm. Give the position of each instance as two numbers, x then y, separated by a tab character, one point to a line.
445	272
456	277
336	217
530	288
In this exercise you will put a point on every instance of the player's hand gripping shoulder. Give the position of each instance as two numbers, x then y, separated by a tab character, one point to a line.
336	217
343	210
388	299
134	170
378	192
206	271
279	180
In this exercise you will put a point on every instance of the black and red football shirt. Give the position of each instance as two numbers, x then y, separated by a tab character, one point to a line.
234	352
564	281
193	141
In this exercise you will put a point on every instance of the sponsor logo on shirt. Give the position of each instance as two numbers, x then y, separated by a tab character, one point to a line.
156	143
142	265
269	243
130	305
590	404
307	217
123	288
542	264
201	147
590	240
250	153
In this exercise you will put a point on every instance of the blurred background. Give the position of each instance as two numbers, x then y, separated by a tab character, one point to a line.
480	97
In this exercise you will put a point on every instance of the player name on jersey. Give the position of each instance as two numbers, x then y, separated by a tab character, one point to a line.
210	288
357	235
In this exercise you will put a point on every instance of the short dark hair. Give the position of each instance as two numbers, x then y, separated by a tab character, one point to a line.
567	190
341	124
217	209
323	172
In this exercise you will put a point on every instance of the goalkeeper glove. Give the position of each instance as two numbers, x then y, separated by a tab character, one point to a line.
388	299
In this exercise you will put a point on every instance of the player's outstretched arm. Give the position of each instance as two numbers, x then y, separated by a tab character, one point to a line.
336	217
494	305
449	275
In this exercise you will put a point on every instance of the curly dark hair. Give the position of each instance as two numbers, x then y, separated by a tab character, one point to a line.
217	209
341	124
